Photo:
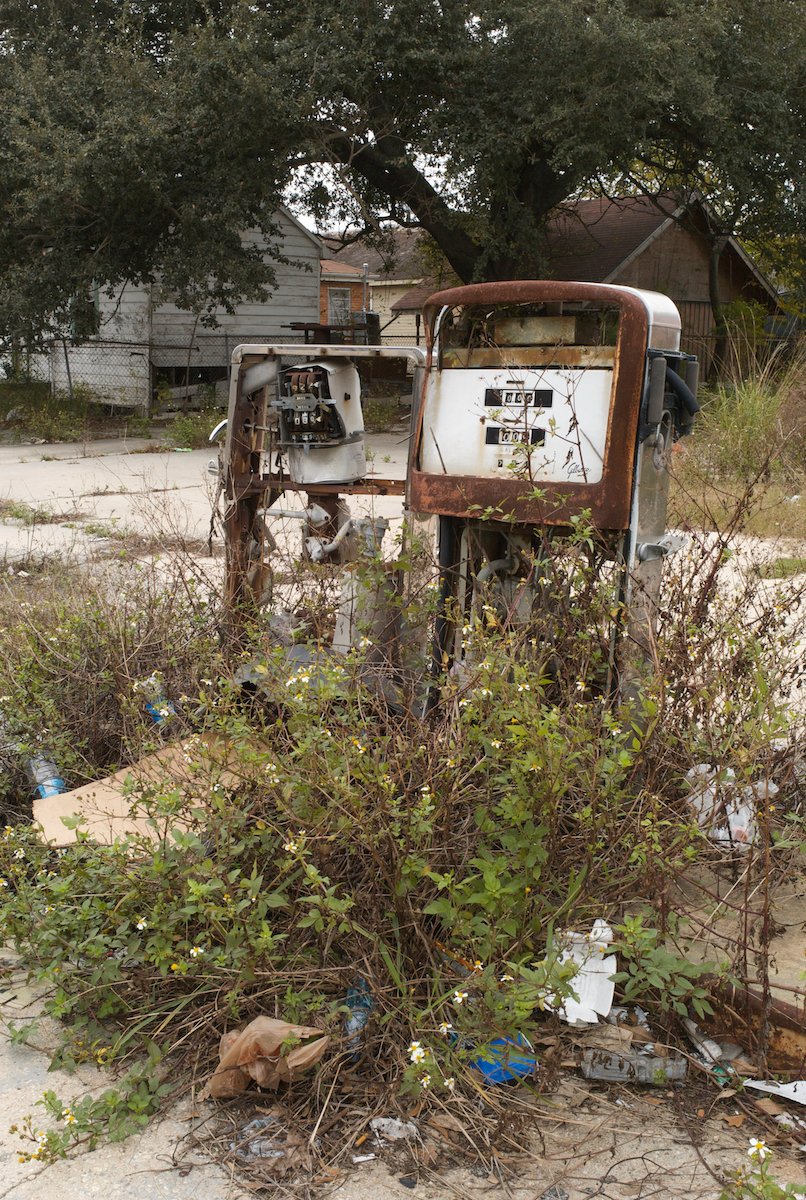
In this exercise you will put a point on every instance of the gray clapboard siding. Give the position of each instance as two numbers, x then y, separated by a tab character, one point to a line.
138	332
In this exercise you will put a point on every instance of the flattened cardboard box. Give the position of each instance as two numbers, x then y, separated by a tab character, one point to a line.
106	805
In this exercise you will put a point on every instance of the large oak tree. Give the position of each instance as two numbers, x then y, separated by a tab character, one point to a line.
140	138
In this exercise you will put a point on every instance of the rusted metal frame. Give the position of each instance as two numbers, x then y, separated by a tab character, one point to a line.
609	500
248	485
240	505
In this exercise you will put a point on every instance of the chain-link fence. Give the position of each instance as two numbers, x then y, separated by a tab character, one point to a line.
160	375
146	375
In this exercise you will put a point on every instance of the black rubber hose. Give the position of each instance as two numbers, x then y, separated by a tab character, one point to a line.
683	391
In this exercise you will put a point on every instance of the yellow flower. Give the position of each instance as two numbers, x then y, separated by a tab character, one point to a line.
174	966
459	998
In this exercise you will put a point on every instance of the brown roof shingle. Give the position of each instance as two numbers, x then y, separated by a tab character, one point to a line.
590	239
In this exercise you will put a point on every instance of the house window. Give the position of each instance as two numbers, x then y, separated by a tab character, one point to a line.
338	306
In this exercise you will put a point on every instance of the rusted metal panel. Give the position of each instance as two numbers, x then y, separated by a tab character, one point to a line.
249	485
531	356
609	499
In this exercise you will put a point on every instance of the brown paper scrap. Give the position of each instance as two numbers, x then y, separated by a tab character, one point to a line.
256	1053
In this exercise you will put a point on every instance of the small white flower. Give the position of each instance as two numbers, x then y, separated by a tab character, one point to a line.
196	952
270	768
496	744
416	1052
291	846
141	925
425	1080
3	883
463	703
445	1028
19	853
581	685
485	692
459	998
450	1083
507	978
758	1150
524	687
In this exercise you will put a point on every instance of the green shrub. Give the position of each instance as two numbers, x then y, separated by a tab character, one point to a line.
192	430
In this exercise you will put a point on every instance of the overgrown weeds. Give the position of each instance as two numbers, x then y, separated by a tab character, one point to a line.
433	863
752	431
32	412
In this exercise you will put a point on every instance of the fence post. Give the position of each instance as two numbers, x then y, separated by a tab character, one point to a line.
67	369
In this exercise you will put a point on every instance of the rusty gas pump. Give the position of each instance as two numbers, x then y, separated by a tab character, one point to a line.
543	402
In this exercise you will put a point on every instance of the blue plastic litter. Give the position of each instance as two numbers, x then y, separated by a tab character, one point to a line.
504	1060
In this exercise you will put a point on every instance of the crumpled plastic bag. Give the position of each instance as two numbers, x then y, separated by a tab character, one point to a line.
255	1054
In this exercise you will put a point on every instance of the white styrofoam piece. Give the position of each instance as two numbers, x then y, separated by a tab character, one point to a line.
593	982
796	1090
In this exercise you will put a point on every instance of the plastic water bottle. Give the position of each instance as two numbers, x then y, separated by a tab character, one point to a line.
157	705
360	1003
44	776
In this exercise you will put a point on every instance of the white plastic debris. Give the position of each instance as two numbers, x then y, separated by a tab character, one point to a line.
593	982
392	1129
796	1090
727	812
710	1051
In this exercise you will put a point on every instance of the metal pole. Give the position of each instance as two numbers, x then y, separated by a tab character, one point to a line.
67	368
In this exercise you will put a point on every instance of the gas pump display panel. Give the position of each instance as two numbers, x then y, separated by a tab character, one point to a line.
531	401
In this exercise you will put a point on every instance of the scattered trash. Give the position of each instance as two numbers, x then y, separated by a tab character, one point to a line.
257	1054
632	1067
726	812
795	1090
790	1122
360	1003
392	1129
504	1061
708	1050
408	1181
250	1145
593	981
359	1158
44	776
